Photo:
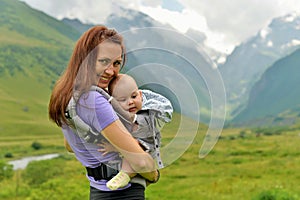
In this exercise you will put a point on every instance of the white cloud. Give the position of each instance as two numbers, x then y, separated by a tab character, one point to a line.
182	21
226	23
186	19
85	10
238	20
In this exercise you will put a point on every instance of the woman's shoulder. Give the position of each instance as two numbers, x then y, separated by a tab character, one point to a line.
92	96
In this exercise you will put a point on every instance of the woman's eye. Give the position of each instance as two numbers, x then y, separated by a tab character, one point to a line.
104	62
117	63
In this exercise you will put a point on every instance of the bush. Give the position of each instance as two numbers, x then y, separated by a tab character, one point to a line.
274	195
36	145
242	134
8	155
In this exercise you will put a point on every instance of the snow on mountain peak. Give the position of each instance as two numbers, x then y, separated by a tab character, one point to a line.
269	43
265	32
292	43
290	17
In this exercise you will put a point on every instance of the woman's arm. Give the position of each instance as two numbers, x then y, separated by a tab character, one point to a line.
67	146
139	160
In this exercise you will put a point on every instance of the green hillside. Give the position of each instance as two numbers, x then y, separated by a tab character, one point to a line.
22	24
34	50
275	98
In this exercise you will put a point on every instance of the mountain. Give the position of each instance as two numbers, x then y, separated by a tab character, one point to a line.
275	98
34	50
166	61
125	20
77	24
253	57
199	37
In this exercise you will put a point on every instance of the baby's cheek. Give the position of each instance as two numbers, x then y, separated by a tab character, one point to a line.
124	106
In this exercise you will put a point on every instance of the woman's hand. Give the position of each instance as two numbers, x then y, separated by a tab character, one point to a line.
106	147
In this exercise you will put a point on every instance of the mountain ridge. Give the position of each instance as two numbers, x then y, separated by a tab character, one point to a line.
251	58
40	53
276	94
150	44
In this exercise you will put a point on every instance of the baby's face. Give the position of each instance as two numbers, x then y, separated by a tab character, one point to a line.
128	95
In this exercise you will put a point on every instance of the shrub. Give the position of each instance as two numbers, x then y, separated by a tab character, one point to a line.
242	134
274	195
8	155
36	145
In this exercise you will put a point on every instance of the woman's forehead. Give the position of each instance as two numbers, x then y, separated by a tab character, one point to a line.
110	50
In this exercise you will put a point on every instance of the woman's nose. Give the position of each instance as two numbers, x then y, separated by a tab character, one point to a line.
110	69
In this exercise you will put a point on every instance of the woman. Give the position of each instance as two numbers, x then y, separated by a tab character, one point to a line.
97	58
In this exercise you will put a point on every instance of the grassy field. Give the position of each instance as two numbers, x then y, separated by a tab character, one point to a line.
242	165
238	168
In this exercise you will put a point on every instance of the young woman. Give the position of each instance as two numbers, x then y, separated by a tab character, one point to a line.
97	58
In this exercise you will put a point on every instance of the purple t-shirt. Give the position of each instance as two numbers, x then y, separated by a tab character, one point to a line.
98	113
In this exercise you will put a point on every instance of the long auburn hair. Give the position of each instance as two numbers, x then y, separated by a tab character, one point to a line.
80	73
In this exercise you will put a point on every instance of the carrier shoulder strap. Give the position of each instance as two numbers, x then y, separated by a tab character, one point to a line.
126	117
82	129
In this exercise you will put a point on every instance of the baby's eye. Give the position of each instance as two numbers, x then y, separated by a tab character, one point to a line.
122	100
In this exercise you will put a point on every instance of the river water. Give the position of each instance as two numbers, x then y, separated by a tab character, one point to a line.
23	162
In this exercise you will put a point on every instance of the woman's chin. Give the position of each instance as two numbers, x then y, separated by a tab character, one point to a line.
102	85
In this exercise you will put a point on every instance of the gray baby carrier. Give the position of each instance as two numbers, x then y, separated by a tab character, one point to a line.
155	107
84	131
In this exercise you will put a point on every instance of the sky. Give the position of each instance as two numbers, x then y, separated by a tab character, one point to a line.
226	23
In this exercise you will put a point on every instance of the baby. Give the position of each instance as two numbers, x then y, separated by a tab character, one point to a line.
125	90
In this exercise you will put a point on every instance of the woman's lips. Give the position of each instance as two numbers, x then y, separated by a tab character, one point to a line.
104	79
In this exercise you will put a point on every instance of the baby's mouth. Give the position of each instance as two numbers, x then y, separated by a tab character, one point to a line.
132	109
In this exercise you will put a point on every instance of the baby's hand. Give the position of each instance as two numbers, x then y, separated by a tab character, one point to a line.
135	127
106	147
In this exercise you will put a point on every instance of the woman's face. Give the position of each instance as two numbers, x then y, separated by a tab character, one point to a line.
108	63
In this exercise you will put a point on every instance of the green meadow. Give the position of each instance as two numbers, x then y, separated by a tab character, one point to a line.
245	164
248	164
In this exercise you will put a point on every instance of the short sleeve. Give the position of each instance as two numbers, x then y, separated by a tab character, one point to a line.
96	111
104	112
